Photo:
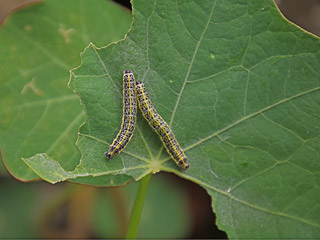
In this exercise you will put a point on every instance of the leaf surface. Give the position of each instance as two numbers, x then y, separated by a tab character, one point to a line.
240	87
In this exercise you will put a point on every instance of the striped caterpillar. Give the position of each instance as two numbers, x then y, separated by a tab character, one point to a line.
160	126
128	116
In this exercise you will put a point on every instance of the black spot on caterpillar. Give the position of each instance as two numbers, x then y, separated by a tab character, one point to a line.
128	116
160	126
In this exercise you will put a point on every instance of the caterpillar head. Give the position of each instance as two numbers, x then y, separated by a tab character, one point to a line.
183	163
111	152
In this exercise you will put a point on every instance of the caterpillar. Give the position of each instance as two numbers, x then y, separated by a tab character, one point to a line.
128	116
160	126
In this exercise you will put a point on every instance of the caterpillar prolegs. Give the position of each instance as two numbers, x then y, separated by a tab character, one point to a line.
128	116
160	126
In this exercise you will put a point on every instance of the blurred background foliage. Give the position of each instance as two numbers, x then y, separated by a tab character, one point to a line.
183	209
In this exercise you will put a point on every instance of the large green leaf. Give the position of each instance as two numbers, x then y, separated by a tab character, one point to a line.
240	87
38	47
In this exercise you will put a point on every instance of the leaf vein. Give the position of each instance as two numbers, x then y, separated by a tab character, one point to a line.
124	151
191	64
105	70
250	116
253	206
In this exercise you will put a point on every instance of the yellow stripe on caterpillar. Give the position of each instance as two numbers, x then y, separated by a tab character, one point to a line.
160	126
128	116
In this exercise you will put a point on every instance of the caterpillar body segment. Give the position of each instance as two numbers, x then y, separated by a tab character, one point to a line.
160	126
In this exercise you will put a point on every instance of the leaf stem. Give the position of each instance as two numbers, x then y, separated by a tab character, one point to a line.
137	208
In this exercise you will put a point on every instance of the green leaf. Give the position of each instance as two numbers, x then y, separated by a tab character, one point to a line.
240	87
38	47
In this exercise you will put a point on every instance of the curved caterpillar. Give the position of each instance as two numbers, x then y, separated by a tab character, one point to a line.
160	126
128	116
